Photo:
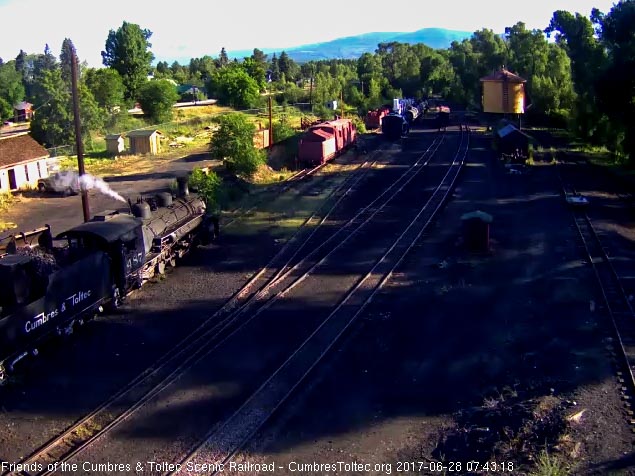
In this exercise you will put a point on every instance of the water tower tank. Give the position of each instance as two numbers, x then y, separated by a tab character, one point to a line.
503	92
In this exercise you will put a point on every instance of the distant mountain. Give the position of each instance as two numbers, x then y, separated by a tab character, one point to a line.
353	47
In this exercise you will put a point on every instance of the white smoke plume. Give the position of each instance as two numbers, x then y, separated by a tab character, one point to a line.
90	182
71	179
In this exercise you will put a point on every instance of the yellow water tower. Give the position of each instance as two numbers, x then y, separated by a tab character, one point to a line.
503	92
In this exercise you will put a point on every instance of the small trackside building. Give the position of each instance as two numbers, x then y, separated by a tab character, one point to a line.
115	144
145	141
508	139
23	161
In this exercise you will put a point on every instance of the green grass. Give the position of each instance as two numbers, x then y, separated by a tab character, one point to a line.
267	176
6	199
187	123
549	465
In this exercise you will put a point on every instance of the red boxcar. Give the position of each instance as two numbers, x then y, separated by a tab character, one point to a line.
316	146
374	118
324	141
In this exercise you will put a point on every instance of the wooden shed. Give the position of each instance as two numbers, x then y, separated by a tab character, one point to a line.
508	140
503	92
115	144
145	142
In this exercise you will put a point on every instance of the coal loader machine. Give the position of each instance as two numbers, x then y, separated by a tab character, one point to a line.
49	285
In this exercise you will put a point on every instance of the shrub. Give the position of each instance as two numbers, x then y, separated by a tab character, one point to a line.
359	125
207	185
233	143
157	98
282	131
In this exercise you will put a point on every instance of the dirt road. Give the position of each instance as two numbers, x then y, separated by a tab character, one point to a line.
33	210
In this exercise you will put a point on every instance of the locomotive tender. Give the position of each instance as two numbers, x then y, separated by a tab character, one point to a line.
49	287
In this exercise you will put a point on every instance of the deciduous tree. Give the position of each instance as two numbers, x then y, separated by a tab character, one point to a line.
208	186
11	89
53	123
106	86
616	84
232	86
127	52
233	143
157	98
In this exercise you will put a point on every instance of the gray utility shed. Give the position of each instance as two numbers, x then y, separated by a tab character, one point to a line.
145	142
115	143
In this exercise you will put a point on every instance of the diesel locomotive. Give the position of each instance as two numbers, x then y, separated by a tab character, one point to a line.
48	285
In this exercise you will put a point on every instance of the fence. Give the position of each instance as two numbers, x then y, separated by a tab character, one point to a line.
61	150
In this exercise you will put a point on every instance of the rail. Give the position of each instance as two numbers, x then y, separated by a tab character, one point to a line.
224	441
618	305
214	331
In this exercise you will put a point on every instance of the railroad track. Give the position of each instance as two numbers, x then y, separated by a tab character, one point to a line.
139	389
288	184
231	326
226	439
616	301
234	325
185	354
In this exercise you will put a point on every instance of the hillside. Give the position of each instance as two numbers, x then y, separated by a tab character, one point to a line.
353	47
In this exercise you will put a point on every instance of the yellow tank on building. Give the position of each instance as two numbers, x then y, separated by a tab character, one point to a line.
503	92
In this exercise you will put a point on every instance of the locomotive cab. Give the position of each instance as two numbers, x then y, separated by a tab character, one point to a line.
20	282
120	237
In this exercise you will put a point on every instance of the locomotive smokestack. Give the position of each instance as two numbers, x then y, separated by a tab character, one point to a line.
183	190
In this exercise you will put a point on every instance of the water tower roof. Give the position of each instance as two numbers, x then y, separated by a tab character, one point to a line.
504	75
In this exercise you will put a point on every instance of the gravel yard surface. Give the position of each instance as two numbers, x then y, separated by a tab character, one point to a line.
462	358
181	415
74	375
469	357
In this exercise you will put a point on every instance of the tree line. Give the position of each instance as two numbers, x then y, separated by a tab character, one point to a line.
579	70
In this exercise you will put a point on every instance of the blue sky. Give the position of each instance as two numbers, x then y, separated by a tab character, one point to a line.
197	27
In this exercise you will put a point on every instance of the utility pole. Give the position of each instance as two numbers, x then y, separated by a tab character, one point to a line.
311	94
341	104
270	123
78	133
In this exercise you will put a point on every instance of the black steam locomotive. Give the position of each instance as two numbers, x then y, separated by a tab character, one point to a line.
48	285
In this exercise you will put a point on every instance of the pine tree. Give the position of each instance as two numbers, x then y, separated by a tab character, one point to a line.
66	57
223	59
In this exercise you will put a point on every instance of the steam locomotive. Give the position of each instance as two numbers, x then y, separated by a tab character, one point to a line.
49	285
